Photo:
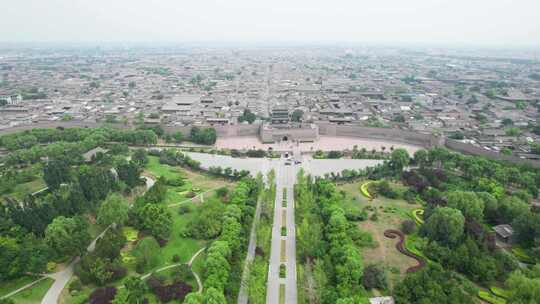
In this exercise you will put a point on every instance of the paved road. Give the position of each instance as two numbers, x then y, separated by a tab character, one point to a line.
285	178
315	167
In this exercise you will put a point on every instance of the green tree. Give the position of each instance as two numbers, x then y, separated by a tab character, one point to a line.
113	210
205	136
56	172
67	236
445	225
524	289
156	220
121	297
95	182
421	158
129	173
214	296
430	285
140	157
146	252
194	298
178	137
470	205
527	228
135	288
399	159
296	115
257	281
158	191
513	132
247	116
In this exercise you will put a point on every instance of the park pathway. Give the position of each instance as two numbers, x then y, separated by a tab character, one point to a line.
61	278
283	250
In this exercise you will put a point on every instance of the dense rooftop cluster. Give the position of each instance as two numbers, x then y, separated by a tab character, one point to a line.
488	100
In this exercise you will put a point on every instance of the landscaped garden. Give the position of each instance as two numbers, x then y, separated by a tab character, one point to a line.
423	235
173	190
375	215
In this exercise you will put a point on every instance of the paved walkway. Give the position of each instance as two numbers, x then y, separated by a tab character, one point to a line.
189	263
14	292
285	178
62	277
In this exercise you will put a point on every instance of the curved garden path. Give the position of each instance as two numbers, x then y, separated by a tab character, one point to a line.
392	233
189	263
61	278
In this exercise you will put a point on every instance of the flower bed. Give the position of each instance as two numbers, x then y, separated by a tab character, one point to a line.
364	188
488	297
418	216
130	233
391	233
499	292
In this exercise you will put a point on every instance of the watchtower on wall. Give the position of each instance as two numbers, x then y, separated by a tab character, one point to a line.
280	115
282	129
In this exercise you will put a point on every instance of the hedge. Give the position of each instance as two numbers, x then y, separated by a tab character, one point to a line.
488	297
522	256
417	213
503	293
364	189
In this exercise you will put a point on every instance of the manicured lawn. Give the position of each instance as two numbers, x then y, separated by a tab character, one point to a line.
391	212
184	247
33	294
22	190
11	285
158	169
194	181
198	264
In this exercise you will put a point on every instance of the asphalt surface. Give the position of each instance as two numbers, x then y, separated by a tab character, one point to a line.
285	178
315	167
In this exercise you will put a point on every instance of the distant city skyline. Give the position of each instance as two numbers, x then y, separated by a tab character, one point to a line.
500	23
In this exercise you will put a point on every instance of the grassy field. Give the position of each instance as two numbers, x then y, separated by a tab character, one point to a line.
184	247
21	190
390	214
194	181
11	285
33	294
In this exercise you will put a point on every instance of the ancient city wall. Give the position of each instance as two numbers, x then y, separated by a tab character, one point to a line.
325	129
424	140
466	148
56	124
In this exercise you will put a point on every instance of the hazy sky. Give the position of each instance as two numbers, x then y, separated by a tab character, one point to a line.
474	22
